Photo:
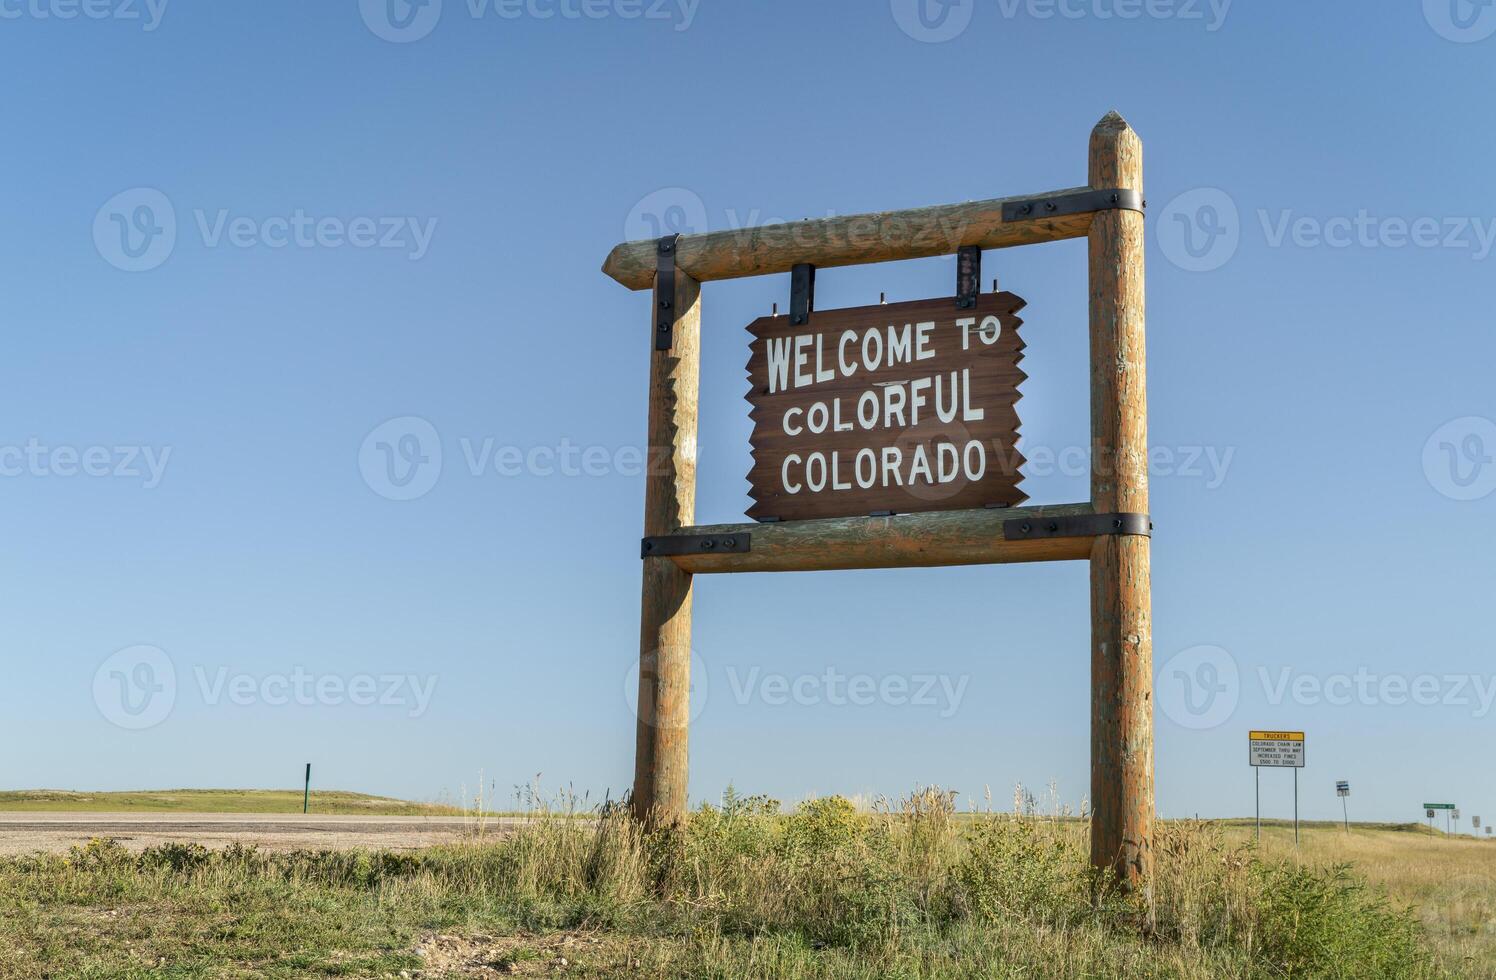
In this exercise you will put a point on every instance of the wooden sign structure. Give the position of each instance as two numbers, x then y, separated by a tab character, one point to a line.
1111	530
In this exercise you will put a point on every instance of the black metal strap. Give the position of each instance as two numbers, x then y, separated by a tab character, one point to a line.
665	292
968	276
1076	202
695	544
802	293
1078	526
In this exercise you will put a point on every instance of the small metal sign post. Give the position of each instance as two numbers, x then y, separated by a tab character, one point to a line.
1448	808
1279	750
1342	790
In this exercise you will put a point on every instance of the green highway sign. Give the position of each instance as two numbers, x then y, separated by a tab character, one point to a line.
1438	806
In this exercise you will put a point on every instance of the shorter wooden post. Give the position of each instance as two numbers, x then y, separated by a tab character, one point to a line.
665	614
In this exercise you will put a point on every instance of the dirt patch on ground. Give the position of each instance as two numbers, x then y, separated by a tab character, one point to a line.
581	954
55	833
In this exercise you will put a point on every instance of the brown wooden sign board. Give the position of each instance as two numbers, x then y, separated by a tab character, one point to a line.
890	409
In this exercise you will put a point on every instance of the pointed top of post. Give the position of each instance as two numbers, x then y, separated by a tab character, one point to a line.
1112	121
1116	154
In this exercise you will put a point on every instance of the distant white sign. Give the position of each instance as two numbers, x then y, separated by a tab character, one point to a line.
1276	749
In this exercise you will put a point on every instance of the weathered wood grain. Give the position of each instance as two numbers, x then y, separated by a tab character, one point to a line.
955	537
660	761
1121	617
883	236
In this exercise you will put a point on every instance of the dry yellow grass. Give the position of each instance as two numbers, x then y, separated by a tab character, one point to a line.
743	891
1451	880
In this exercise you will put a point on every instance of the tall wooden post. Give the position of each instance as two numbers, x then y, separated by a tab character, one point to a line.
665	617
1121	616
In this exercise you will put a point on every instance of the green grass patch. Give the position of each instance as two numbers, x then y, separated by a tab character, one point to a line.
214	801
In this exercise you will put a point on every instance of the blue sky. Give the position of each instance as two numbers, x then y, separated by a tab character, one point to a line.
378	222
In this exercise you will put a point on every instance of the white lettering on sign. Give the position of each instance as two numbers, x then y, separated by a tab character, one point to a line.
801	360
887	409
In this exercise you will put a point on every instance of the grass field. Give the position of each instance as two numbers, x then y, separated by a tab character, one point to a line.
1450	880
916	890
214	801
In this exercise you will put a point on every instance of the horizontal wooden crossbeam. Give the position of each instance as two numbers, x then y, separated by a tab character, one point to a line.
885	236
949	537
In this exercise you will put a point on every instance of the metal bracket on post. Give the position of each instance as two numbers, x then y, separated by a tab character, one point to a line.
665	292
1081	526
802	293
694	544
1077	202
968	276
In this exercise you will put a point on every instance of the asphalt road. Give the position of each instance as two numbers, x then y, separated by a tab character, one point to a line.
28	833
